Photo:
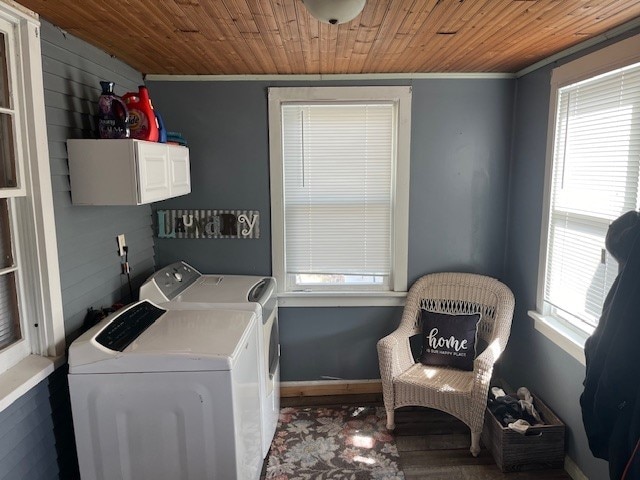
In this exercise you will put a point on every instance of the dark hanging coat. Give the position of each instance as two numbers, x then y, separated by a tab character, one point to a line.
610	401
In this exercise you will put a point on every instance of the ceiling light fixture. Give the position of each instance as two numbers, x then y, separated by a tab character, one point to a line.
334	11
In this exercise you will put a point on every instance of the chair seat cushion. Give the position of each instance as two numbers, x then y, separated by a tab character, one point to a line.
437	379
449	340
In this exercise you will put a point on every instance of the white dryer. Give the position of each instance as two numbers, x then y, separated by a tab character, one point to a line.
166	395
180	286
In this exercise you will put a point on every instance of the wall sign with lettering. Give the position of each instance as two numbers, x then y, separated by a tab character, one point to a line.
208	224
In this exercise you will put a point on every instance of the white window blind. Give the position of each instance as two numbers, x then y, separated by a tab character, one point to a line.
338	181
596	171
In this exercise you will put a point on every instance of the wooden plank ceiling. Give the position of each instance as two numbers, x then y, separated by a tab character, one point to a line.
230	37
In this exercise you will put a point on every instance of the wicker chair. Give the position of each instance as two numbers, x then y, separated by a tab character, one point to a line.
462	394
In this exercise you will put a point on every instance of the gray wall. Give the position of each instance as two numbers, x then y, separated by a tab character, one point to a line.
89	265
27	442
36	433
461	131
531	359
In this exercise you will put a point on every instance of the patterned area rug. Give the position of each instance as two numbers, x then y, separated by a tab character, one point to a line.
344	443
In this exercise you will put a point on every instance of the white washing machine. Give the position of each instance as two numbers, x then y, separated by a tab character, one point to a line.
180	286
167	395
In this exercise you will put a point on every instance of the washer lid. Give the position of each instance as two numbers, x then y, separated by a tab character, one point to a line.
179	340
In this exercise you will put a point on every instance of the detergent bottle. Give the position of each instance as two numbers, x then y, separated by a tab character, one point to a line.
142	119
112	114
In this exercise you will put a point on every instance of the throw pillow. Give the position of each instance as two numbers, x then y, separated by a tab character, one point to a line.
449	340
415	344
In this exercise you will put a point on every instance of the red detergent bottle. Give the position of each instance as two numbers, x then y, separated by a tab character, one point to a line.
142	119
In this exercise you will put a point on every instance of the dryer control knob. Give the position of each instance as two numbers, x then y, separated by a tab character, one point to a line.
177	276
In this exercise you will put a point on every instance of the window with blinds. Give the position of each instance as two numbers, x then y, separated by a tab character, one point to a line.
339	165
338	177
595	178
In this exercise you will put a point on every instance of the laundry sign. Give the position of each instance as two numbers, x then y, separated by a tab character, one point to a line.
208	224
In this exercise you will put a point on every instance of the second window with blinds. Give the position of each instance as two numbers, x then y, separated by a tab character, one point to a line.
339	190
593	177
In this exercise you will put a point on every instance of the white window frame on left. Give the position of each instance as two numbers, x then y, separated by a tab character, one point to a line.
32	359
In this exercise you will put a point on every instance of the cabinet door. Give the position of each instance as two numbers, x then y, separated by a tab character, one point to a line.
153	171
179	170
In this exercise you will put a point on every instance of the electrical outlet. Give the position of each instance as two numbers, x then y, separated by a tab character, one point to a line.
121	244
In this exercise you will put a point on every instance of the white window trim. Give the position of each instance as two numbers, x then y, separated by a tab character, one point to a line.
342	299
400	240
626	52
558	331
47	340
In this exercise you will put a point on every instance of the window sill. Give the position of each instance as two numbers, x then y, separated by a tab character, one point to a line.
342	299
559	333
25	375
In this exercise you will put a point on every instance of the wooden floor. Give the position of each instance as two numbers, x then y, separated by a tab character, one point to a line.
432	444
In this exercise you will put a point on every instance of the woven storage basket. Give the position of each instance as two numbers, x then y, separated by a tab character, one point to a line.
542	447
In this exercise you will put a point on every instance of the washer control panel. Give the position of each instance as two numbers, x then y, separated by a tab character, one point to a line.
128	326
174	279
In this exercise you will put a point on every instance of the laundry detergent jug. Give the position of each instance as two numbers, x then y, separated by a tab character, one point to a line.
142	119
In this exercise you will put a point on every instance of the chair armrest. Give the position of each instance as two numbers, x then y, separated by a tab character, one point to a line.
394	355
483	369
489	356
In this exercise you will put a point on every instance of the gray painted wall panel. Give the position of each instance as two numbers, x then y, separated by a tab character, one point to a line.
59	166
461	131
85	214
62	117
81	130
56	63
68	87
26	438
58	150
103	250
82	57
226	128
67	102
333	343
459	142
530	358
87	226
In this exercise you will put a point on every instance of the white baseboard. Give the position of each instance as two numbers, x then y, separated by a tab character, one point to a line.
573	470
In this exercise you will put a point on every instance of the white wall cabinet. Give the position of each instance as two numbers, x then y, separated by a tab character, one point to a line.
126	172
